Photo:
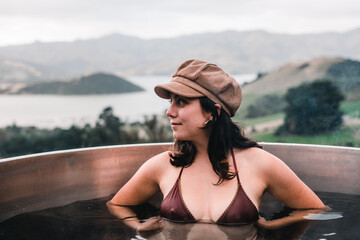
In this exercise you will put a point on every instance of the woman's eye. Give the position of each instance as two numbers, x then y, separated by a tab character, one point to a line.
181	101
178	101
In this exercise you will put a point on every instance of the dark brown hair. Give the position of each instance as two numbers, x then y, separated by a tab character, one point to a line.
224	136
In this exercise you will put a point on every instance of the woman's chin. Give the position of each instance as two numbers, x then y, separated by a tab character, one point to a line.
179	137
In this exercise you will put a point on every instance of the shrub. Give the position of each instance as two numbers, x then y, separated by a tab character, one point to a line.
312	108
266	105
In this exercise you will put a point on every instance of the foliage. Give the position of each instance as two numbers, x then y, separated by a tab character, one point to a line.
345	136
350	109
346	75
266	105
156	131
18	141
250	122
312	108
248	99
108	130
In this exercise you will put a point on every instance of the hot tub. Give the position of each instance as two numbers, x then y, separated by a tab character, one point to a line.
47	180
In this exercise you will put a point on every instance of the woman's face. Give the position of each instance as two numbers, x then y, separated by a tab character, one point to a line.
187	118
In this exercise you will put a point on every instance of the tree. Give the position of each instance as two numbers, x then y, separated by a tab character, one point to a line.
312	108
266	105
156	130
107	130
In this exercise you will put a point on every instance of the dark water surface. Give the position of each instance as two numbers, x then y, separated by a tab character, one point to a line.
91	220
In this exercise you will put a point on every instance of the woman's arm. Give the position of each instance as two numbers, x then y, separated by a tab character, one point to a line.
142	186
282	183
294	217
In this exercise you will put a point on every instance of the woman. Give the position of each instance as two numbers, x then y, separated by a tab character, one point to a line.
214	174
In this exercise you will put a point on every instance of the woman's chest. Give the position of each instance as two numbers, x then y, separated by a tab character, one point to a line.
206	200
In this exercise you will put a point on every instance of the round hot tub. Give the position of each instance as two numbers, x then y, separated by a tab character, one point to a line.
50	180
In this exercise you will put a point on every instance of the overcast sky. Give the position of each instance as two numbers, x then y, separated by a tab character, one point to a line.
26	21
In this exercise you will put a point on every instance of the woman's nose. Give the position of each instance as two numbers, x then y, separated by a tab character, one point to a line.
171	111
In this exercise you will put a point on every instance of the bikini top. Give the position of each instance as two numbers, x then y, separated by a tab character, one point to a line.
240	211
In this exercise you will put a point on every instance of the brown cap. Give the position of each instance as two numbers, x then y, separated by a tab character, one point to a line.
196	78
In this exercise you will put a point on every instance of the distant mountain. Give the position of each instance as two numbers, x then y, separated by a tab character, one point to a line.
236	52
99	83
345	73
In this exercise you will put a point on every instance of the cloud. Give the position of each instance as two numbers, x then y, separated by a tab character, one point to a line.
68	20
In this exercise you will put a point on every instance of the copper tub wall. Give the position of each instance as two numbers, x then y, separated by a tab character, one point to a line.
40	181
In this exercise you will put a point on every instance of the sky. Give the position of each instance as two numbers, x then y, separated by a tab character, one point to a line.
26	21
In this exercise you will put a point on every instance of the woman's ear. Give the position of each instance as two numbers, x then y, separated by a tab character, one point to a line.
218	108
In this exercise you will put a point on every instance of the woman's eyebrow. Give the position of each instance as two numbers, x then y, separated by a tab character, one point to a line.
176	97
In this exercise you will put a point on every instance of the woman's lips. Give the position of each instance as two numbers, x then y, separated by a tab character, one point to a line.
173	124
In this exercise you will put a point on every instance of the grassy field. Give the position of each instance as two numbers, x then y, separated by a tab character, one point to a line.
351	109
254	121
248	99
345	136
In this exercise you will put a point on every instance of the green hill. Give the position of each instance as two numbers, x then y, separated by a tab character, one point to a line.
345	73
98	83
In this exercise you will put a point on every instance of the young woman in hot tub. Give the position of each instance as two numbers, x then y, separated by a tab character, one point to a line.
214	174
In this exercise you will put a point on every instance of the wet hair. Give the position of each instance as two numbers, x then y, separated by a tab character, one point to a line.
224	136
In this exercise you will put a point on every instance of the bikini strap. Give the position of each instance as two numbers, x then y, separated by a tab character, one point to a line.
234	161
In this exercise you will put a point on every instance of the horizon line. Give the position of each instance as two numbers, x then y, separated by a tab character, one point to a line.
177	36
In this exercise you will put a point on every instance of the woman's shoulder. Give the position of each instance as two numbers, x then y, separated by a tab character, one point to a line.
159	161
252	153
155	167
257	157
159	158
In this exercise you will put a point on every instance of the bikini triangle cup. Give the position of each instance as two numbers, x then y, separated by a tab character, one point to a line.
240	211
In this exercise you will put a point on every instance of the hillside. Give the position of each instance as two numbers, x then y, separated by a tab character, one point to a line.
99	83
236	52
345	73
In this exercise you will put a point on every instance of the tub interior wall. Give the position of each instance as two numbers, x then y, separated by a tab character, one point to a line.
41	181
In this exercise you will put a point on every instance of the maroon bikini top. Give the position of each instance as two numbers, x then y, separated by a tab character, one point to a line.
240	211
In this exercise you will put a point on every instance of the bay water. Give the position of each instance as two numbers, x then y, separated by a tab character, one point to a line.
49	111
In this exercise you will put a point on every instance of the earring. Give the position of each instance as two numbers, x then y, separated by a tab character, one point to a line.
207	122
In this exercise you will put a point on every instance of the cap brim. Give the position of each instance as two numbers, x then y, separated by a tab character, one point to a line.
164	90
